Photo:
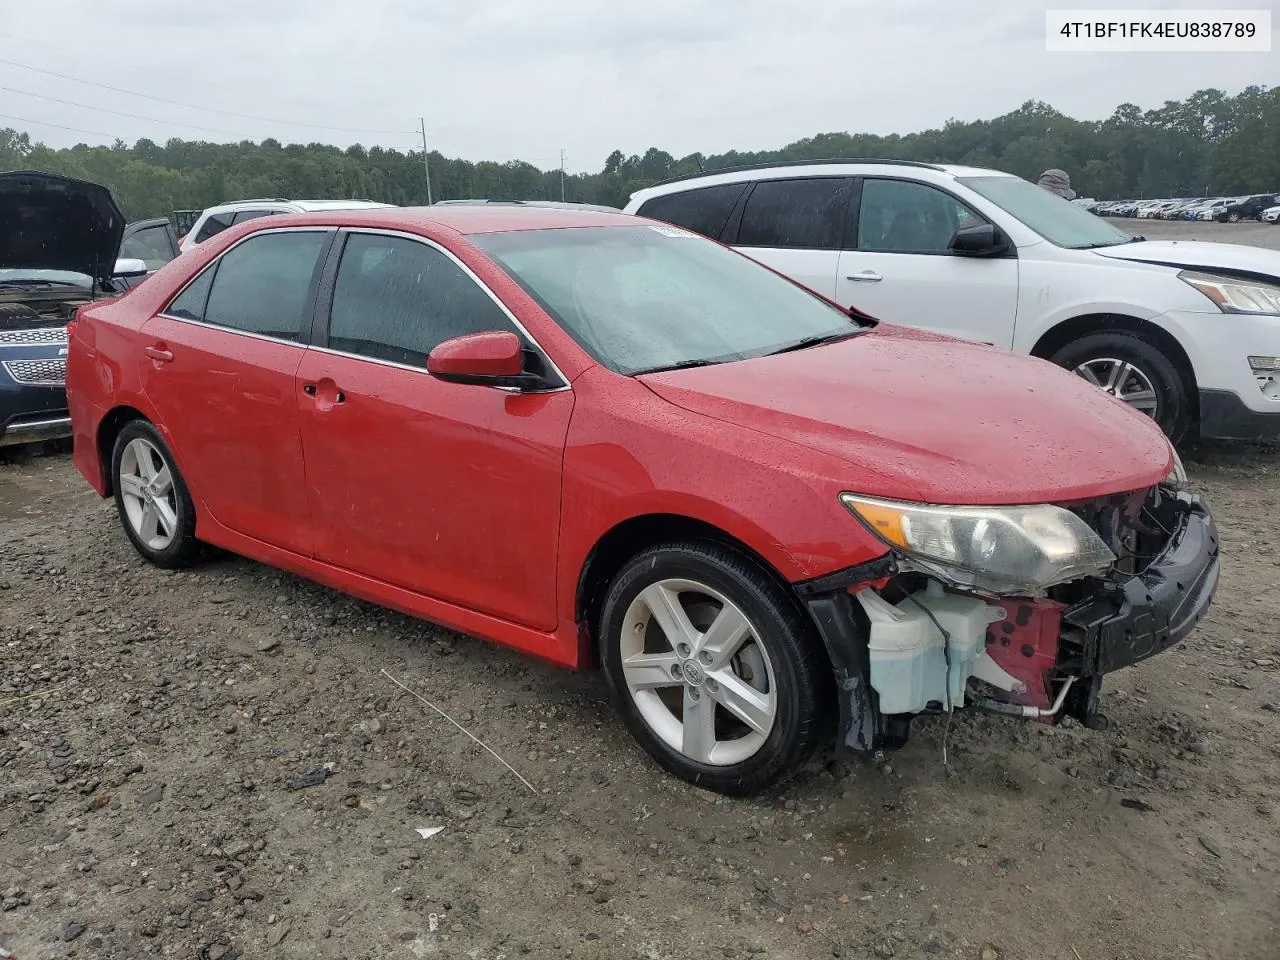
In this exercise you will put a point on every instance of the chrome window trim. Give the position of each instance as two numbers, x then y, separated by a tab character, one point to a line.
345	232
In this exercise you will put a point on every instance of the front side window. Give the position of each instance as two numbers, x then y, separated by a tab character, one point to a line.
705	210
901	216
213	225
258	286
150	245
1059	221
796	214
648	297
395	299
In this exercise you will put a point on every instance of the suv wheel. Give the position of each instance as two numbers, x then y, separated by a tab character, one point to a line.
153	501
1135	370
1233	217
713	667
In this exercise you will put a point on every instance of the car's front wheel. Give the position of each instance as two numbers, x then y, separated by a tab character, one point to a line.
1135	370
715	670
151	497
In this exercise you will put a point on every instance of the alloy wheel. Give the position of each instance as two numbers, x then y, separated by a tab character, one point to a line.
146	488
1124	380
697	672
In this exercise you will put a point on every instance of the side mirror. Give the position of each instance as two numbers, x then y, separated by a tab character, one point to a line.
492	359
984	240
130	267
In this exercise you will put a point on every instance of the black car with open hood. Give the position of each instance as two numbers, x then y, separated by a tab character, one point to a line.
59	240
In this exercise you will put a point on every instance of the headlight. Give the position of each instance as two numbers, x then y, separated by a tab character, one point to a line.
1000	550
1177	477
1235	295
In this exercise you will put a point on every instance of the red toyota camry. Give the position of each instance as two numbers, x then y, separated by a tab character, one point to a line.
605	440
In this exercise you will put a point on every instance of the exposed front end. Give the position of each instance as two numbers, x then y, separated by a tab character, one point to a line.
907	639
33	366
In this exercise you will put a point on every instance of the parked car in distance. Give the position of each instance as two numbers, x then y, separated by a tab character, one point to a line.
1271	214
153	241
1247	208
550	204
59	242
214	220
989	257
592	436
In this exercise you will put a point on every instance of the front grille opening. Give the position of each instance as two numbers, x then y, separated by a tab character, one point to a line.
37	373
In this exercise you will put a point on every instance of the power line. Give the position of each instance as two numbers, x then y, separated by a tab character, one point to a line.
118	113
139	68
58	126
193	106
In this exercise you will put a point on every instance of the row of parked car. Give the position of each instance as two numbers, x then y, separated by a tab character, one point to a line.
1259	206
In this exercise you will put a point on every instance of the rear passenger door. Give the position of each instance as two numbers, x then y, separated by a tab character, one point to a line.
218	366
796	226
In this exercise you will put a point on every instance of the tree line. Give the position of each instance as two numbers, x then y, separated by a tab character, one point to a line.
1209	143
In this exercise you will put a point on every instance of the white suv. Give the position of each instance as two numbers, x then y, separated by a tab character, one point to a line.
1187	332
216	219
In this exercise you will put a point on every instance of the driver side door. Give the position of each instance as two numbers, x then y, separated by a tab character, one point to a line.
898	266
449	490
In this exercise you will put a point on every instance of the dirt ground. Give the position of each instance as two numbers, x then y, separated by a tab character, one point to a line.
146	769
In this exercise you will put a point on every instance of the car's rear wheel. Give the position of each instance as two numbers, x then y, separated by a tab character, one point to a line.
715	670
1135	370
1233	217
151	497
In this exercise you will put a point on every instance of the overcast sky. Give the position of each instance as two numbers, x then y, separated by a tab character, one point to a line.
504	79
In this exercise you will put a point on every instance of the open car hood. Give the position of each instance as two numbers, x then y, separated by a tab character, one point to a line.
51	222
920	417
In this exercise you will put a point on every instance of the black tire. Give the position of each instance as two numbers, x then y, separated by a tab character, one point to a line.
1175	404
800	672
1233	218
183	549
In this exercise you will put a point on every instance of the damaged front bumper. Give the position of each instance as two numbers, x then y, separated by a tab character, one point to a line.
1049	654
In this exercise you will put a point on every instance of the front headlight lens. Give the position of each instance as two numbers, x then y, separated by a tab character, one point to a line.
1234	295
1002	550
1177	477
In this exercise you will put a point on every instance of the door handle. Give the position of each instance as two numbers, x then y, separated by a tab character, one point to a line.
159	354
313	390
309	389
866	276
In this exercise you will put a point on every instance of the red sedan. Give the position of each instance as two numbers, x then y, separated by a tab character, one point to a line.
601	439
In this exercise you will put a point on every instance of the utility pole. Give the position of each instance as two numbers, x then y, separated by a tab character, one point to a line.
562	175
426	165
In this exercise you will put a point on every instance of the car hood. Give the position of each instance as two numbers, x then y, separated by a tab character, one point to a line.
1230	258
918	417
50	222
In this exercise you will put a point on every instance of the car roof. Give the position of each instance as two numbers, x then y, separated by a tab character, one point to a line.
930	172
259	202
464	219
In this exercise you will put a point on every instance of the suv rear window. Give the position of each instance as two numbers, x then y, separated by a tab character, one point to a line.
214	225
704	210
803	214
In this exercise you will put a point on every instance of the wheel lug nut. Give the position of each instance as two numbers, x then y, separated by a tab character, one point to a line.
683	649
675	670
705	657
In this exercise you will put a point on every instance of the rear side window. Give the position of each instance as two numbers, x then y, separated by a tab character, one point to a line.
705	210
213	225
258	286
395	299
806	214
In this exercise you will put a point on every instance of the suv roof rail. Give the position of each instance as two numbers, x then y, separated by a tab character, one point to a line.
796	163
227	203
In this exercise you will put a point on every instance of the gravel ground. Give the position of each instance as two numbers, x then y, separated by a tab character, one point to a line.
154	797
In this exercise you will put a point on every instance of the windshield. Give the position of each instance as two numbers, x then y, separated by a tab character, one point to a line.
47	276
650	297
1057	220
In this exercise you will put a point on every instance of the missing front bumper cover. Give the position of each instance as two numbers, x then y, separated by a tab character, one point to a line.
1119	623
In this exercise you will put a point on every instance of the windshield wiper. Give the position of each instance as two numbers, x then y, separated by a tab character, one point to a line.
682	365
814	341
